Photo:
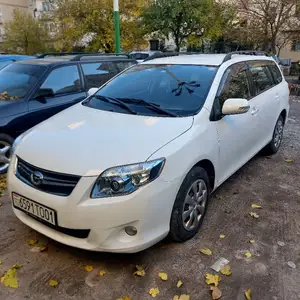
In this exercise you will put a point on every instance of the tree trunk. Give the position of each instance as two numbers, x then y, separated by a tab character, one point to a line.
177	43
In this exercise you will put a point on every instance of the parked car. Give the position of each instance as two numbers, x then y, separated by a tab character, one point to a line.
140	56
34	90
139	159
8	59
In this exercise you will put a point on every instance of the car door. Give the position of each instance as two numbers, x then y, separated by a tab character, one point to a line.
61	89
266	99
236	133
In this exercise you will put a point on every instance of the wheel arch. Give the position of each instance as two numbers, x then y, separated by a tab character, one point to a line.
208	166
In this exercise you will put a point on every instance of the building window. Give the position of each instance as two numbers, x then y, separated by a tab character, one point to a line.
296	46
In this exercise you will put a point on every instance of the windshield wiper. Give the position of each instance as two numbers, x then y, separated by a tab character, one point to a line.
115	101
150	105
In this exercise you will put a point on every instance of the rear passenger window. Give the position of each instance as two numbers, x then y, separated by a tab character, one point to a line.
122	65
96	74
261	76
275	72
234	84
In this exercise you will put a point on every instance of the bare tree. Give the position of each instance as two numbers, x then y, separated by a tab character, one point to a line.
272	22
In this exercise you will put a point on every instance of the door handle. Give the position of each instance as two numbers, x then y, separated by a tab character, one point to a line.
254	111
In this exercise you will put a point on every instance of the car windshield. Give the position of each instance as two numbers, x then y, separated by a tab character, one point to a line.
17	79
178	89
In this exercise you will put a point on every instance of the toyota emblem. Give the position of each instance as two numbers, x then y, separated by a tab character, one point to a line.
37	178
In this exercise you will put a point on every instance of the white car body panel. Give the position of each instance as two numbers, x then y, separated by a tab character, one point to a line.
82	134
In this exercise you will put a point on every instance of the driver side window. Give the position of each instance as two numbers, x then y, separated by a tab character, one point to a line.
234	84
63	80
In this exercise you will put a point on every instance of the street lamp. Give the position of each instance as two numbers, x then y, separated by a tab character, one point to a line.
117	25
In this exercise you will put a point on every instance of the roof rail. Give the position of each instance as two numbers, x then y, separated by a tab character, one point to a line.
58	54
78	55
245	52
169	54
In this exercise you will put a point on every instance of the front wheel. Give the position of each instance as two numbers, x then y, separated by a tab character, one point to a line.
190	205
5	152
275	143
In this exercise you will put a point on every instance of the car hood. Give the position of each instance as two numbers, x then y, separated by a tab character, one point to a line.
86	141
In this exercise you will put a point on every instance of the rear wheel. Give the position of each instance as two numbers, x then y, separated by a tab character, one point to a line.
6	143
190	205
275	143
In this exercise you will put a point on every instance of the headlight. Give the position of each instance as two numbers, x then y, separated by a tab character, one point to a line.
126	179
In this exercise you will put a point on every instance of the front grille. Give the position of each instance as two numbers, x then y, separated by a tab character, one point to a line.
52	182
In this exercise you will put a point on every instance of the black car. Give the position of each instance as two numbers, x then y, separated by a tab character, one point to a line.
31	91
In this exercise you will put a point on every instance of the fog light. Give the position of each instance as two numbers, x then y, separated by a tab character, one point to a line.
130	230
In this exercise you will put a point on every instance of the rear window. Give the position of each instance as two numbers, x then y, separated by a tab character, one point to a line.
139	56
261	76
18	79
275	72
181	89
96	74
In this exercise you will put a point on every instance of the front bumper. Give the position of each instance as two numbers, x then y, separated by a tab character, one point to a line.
148	209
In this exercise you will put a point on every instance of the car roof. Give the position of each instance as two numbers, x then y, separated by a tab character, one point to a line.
4	57
57	60
203	59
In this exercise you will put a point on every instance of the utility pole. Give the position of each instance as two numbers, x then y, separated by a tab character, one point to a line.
117	25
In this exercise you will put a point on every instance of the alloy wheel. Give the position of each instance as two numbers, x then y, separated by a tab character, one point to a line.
278	134
5	152
194	204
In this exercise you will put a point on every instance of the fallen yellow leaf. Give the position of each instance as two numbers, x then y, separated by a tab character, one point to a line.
17	266
9	279
216	293
89	268
154	292
206	251
102	272
53	283
248	294
182	297
248	254
255	205
254	215
43	248
179	283
252	241
32	242
212	279
163	276
1	262
288	160
139	271
219	197
226	270
125	298
222	236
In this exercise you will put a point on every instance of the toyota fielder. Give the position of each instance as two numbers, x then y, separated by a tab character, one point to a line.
138	160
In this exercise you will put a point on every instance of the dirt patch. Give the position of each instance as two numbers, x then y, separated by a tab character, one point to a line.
271	182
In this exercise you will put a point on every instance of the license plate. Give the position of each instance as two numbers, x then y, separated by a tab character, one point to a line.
34	209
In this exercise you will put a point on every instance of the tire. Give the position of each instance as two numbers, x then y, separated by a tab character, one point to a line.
5	141
275	143
180	228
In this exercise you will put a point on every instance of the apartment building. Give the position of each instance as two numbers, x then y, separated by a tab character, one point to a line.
6	11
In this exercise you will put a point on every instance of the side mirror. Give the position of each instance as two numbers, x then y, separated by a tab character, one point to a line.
44	93
92	91
235	106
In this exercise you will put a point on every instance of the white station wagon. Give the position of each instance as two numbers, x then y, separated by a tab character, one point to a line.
139	159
